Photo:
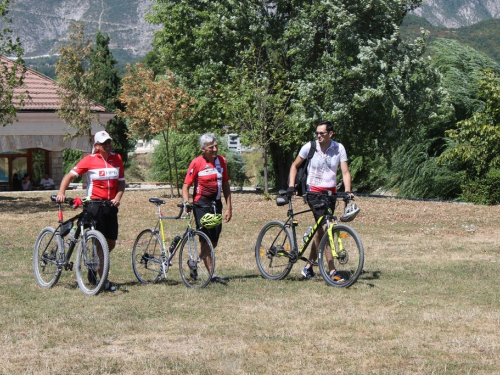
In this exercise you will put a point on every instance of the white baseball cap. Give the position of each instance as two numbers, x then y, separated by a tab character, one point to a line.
101	137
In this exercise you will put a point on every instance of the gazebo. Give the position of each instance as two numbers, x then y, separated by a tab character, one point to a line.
40	136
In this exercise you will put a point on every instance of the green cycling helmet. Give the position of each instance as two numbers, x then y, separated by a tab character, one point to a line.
210	221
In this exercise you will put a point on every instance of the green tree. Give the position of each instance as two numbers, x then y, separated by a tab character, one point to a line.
340	60
460	67
257	105
187	148
77	84
415	170
106	76
11	75
475	144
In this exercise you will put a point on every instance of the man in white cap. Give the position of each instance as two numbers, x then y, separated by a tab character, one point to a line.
106	182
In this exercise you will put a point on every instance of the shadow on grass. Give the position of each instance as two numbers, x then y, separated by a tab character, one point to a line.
24	204
243	277
369	276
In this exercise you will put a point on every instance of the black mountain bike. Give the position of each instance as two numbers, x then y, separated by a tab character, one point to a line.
341	249
54	247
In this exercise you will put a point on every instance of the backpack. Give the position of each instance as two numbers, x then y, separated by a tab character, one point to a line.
301	176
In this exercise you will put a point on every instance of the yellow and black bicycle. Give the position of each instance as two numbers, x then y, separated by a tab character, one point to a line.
340	250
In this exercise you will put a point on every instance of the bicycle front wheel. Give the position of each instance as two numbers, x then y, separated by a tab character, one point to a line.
196	259
346	257
48	246
272	250
146	257
92	262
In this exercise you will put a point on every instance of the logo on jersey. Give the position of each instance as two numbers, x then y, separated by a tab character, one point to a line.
108	173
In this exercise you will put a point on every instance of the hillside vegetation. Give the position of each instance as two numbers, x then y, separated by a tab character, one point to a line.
482	36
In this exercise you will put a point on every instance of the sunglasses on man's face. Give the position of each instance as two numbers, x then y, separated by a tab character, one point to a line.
320	133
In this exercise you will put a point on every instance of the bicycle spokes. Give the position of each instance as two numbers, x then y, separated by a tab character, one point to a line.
273	251
345	257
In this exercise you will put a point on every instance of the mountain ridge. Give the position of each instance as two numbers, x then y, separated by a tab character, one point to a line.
43	26
458	13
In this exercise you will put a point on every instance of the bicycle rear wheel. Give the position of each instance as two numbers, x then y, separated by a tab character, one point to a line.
48	246
146	257
88	262
272	249
196	268
347	259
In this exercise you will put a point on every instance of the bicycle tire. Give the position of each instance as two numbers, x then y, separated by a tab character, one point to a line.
272	249
350	259
87	262
146	257
192	266
47	247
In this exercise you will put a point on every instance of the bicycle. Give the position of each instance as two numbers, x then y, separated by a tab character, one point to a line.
52	251
151	258
340	249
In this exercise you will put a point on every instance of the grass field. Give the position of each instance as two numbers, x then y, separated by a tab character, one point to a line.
428	301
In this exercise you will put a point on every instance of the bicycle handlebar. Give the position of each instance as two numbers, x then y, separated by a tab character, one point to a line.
346	196
159	202
67	200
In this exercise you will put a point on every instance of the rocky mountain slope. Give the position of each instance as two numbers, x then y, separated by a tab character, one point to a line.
43	25
458	13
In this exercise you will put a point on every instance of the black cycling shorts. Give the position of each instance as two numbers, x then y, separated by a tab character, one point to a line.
320	204
105	218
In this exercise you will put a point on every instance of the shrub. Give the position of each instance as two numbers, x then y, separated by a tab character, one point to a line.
483	190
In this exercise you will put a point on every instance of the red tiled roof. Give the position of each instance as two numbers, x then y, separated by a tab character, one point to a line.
42	92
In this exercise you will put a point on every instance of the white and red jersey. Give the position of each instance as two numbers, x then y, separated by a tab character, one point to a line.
103	175
322	169
207	178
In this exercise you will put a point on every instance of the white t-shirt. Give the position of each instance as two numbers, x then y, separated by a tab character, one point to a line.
322	169
47	183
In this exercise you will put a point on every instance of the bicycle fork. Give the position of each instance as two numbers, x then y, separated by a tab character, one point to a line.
331	239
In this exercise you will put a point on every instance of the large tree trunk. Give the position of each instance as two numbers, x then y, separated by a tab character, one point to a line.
282	160
264	165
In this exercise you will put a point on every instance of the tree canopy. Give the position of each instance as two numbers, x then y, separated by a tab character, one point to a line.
331	59
154	105
11	75
77	84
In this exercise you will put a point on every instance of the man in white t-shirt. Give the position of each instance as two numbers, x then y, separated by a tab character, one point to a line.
46	182
321	176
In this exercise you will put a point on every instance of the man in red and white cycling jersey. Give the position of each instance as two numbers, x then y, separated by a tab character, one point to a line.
106	181
208	172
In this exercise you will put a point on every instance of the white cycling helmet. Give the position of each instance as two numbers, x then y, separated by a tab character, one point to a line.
350	212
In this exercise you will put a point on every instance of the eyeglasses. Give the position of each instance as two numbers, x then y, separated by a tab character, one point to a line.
320	133
106	142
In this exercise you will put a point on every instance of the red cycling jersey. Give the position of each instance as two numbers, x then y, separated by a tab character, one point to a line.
103	175
207	178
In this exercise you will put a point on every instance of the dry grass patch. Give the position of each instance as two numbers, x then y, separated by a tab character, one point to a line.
426	303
